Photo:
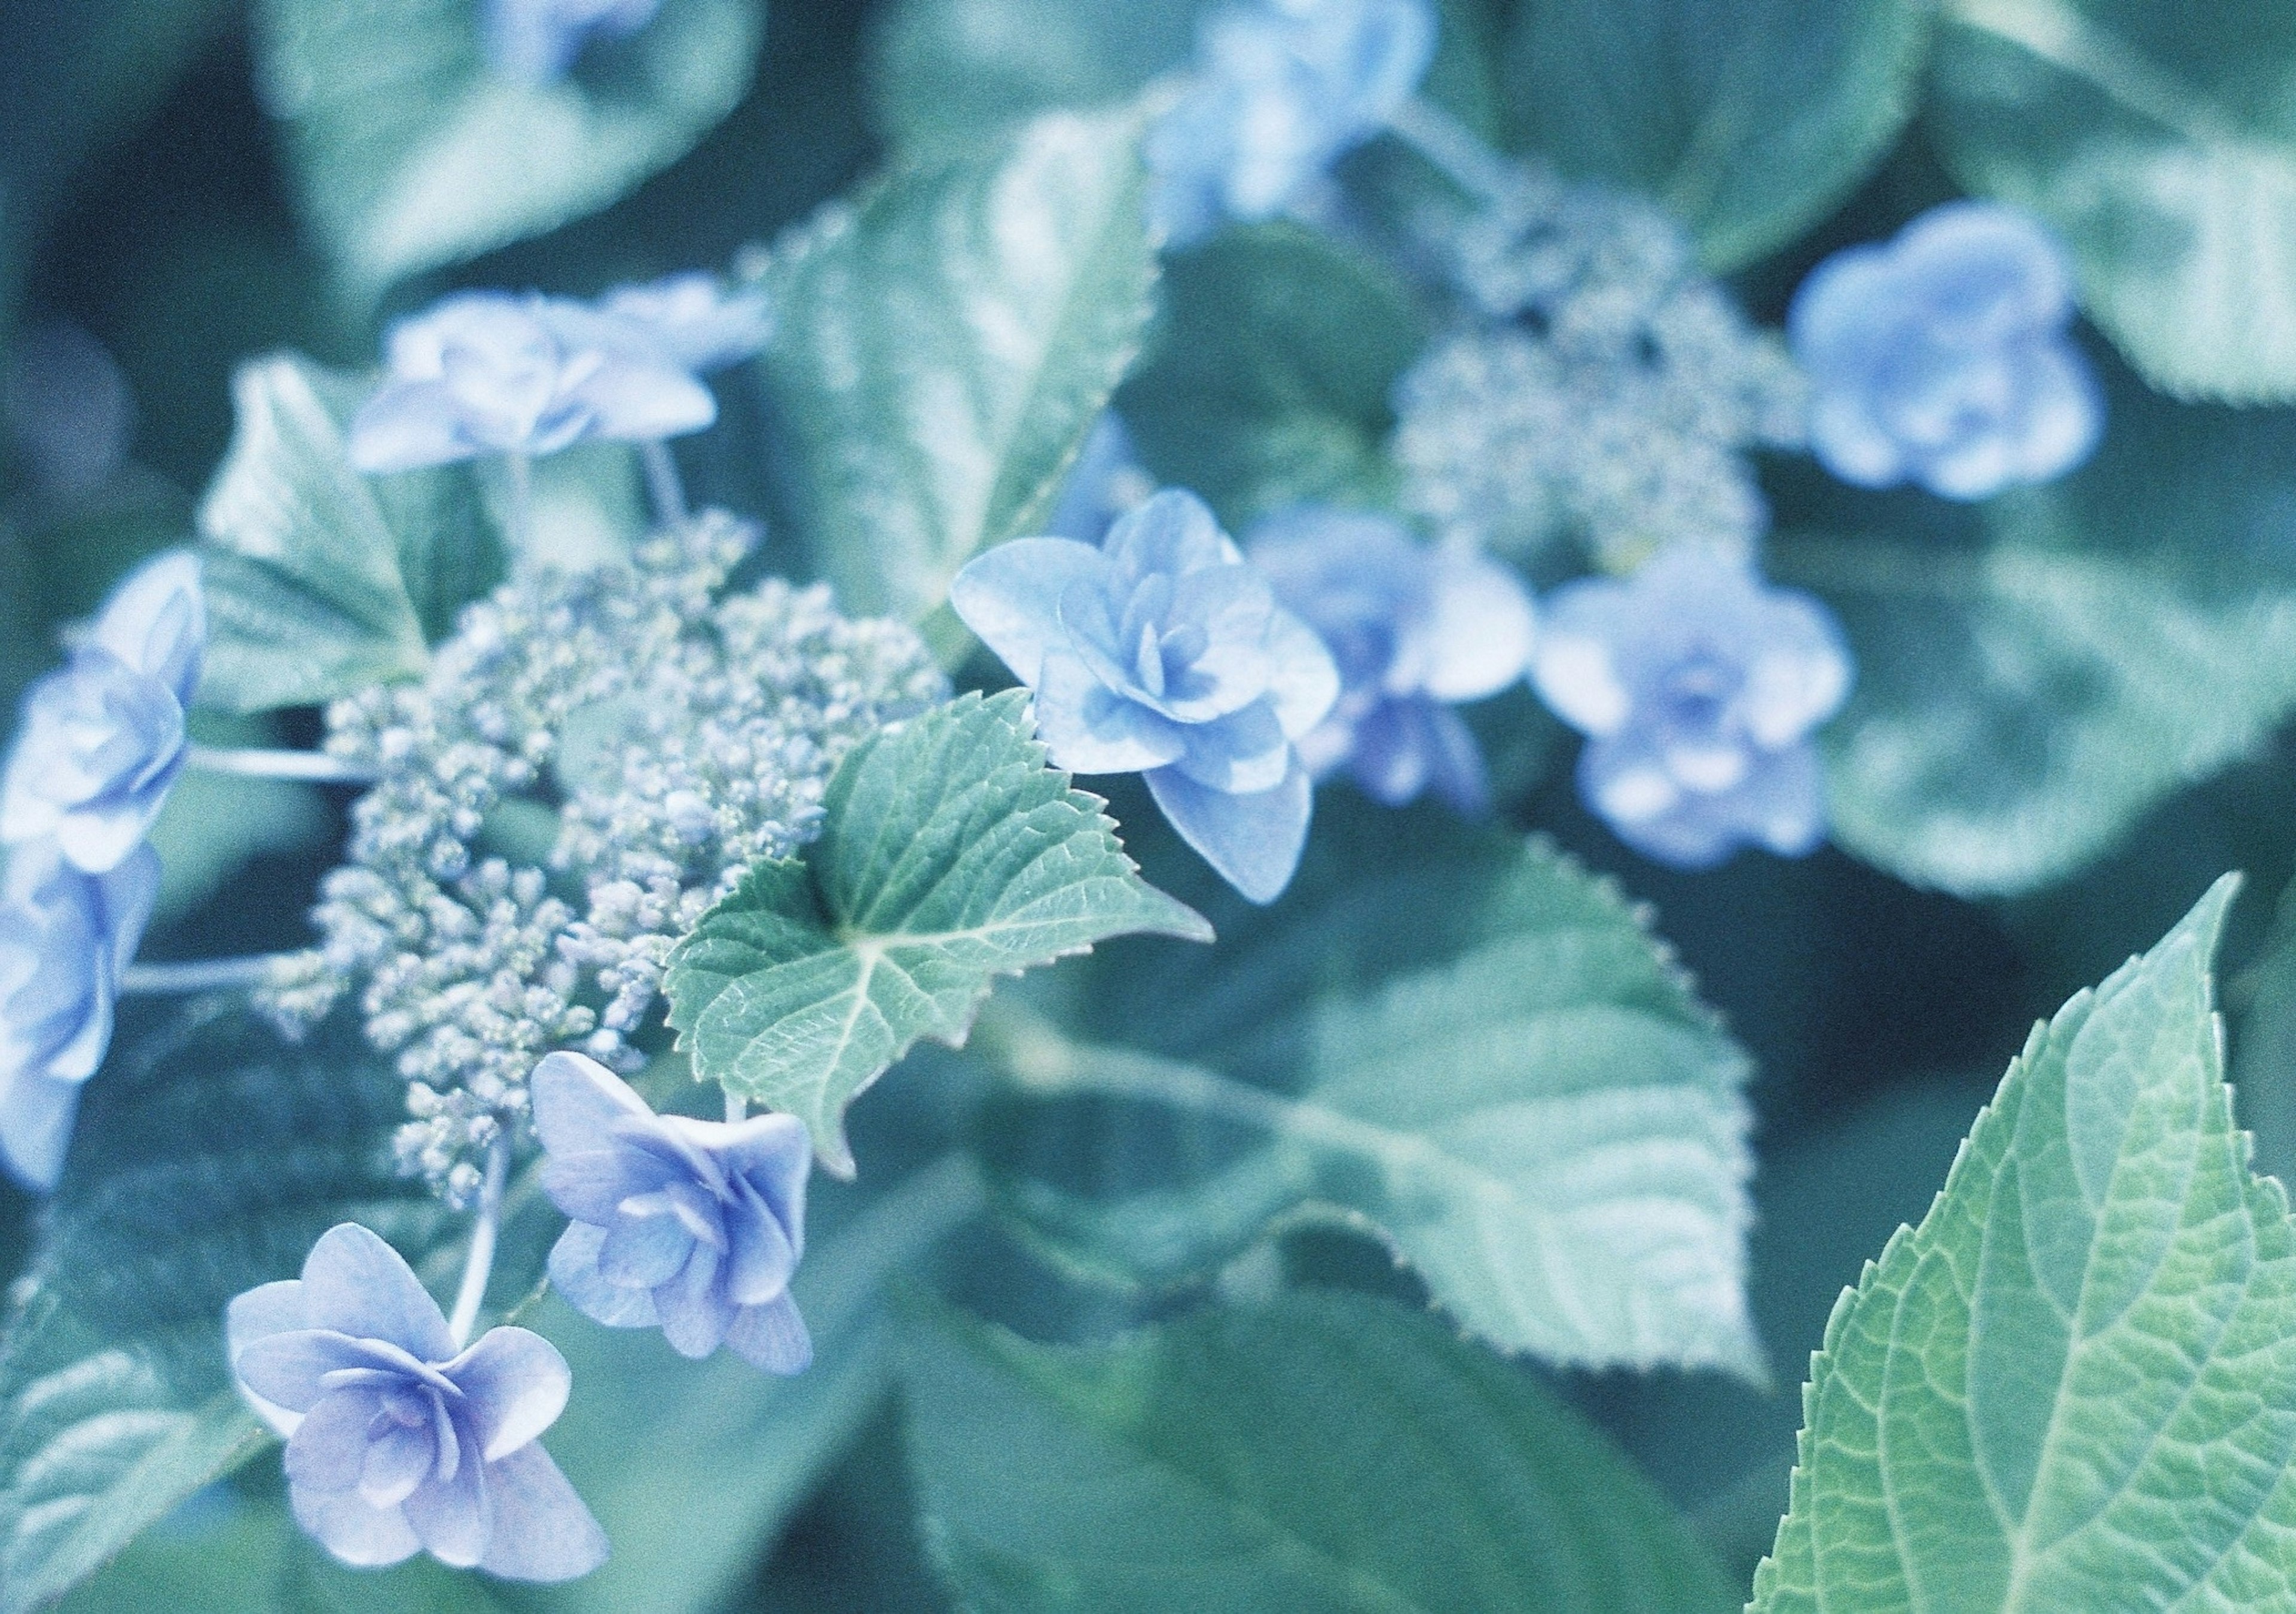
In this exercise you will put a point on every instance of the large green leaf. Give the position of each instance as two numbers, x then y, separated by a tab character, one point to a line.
321	581
2161	141
1462	1042
1323	1452
209	1157
943	350
409	153
2030	687
1750	119
949	854
2073	1386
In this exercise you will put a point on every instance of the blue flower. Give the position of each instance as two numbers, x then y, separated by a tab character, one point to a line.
66	938
1105	481
695	1226
103	739
1162	653
485	372
1412	630
1282	89
1699	688
397	1441
692	319
1942	357
535	41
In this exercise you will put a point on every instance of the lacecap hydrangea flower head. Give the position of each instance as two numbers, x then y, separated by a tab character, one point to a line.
1161	653
536	41
1698	687
398	1439
1942	357
1411	630
1283	88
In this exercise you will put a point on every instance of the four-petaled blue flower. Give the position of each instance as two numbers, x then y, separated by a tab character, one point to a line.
486	372
695	1226
694	320
1411	630
66	936
103	738
535	41
1699	688
396	1440
1282	89
1162	653
1942	357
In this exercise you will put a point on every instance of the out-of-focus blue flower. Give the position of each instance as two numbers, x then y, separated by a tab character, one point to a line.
1698	687
1161	653
486	372
103	739
66	936
694	320
396	1440
1283	88
695	1226
1942	357
536	41
1412	630
1106	480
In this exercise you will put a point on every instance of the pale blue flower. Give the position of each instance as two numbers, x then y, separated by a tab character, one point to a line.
1282	89
397	1441
693	1226
1106	480
66	938
103	739
694	320
535	41
1698	687
1161	653
1942	357
485	372
1412	630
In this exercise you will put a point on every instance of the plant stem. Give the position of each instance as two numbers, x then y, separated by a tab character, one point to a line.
199	975
261	762
664	486
737	1108
521	508
1452	149
481	1262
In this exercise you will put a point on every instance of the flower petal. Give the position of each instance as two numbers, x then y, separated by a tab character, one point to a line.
156	622
290	1369
1303	682
590	1186
1089	728
575	1274
360	1534
397	1460
1242	753
763	1259
329	1450
644	1249
1010	597
452	1513
410	425
1479	629
359	1285
1253	842
542	1531
695	1309
772	1336
578	1102
635	401
514	1385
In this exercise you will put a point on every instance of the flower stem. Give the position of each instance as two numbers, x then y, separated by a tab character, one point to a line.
521	507
1452	149
261	762
737	1108
199	975
664	486
480	1265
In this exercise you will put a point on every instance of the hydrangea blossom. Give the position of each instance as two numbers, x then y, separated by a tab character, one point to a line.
693	1226
1106	480
693	319
1698	687
1283	88
66	938
103	739
1412	630
397	1441
1161	653
485	372
536	41
1942	357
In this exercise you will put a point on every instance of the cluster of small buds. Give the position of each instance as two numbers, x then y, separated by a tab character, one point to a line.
1600	388
681	735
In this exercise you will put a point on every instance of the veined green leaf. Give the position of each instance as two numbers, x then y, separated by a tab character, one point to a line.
2073	1386
950	855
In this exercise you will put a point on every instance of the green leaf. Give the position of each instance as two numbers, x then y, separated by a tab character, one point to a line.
1323	1452
943	350
1270	380
321	581
209	1156
409	153
949	854
2073	1386
1462	1042
2161	141
2027	690
1750	119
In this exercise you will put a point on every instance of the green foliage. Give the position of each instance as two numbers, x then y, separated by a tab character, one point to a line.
1462	1042
944	346
2161	141
2073	1386
410	154
321	581
1750	120
1321	1451
1269	381
949	854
